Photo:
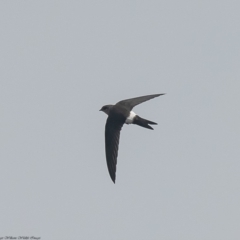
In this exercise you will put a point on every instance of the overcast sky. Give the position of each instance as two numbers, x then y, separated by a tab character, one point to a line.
61	61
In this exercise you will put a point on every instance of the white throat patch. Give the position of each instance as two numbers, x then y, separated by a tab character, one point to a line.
130	117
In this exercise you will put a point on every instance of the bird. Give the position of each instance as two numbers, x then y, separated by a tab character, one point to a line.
119	114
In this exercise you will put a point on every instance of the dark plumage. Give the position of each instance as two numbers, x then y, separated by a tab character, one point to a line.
119	114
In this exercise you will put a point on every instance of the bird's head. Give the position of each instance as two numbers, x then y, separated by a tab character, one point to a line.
106	109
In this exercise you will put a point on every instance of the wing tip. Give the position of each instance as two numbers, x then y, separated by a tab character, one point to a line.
113	179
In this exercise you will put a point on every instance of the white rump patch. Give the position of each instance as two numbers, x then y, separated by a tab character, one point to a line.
130	117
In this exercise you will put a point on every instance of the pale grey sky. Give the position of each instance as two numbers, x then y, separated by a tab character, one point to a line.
61	61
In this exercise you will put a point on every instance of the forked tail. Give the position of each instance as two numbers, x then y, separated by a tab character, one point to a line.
143	122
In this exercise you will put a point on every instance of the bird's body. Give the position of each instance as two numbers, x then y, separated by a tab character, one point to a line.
130	117
119	114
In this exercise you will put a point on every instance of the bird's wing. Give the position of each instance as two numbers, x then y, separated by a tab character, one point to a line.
132	102
112	136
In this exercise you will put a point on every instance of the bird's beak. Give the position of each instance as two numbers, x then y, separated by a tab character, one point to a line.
100	110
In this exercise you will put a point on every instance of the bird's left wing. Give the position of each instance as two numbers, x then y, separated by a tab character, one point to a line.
132	102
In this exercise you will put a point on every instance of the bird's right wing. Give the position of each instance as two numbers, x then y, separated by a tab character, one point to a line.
132	102
112	136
